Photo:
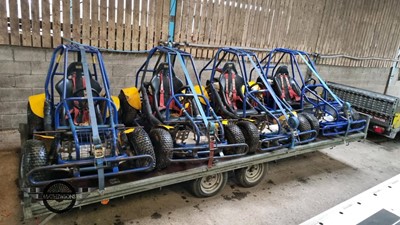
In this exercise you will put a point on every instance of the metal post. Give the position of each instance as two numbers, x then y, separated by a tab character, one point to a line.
393	70
172	14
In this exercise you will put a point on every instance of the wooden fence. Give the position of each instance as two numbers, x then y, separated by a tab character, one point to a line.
360	28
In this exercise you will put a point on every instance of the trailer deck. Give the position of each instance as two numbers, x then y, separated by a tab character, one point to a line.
155	180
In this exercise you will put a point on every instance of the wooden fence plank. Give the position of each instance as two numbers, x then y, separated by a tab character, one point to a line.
56	23
128	26
202	27
111	24
196	23
36	38
14	22
103	24
158	23
4	39
25	24
207	23
220	22
120	26
165	17
151	41
46	38
190	24
66	26
143	16
135	33
94	27
179	20
86	22
76	21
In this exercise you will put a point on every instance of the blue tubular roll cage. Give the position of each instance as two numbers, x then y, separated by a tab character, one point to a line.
305	88
172	55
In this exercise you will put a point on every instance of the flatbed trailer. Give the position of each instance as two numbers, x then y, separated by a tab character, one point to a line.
174	175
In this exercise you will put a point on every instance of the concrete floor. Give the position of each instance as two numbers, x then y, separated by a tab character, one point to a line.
294	190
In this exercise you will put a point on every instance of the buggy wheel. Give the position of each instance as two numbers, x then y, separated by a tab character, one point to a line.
314	122
234	136
251	134
163	144
304	125
33	155
208	186
250	176
140	144
34	122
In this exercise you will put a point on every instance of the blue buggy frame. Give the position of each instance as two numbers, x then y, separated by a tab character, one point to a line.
272	110
83	151
324	102
204	124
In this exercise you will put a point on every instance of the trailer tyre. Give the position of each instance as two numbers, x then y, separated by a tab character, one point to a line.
234	135
140	144
163	144
314	122
356	116
304	125
250	176
33	155
208	186
34	122
251	134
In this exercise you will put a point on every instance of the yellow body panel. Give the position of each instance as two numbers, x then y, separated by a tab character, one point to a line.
44	136
36	103
133	97
396	121
115	99
167	127
130	130
198	90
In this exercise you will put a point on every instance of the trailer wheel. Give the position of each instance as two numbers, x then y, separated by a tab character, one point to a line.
356	116
304	125
209	185
140	144
163	144
251	134
250	176
234	135
33	155
314	122
34	122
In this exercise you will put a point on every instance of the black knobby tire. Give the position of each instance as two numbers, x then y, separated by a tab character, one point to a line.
140	144
208	186
33	154
34	122
250	176
163	144
234	135
314	122
304	125
251	135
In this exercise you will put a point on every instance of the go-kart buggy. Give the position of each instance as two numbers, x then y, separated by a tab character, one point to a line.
235	96
309	93
73	130
176	112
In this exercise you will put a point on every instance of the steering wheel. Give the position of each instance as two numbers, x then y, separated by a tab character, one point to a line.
310	80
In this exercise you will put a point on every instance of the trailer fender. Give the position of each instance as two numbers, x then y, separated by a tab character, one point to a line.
36	102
